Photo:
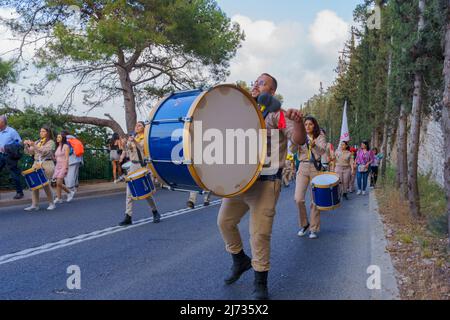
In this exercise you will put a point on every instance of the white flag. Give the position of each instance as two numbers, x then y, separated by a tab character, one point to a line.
345	135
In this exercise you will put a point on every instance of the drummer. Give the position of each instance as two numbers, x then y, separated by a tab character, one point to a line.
260	199
43	152
310	164
135	151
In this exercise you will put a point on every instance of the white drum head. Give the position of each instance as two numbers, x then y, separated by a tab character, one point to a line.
136	174
325	179
233	147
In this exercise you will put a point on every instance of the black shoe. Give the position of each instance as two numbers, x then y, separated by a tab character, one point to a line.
18	196
241	263
261	292
190	205
345	196
156	217
127	221
206	203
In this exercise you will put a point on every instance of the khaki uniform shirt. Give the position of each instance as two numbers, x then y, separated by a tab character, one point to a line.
343	158
41	152
319	149
274	162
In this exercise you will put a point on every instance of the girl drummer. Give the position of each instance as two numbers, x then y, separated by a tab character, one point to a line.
135	150
43	152
309	156
344	167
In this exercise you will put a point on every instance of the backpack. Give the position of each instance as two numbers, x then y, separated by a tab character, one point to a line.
77	146
14	151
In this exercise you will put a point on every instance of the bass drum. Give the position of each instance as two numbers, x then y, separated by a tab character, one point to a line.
205	140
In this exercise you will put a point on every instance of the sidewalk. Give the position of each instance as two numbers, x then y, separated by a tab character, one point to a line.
84	190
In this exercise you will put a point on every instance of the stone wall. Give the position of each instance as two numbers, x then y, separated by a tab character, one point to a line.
431	150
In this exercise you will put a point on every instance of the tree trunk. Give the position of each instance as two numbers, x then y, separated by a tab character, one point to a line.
129	98
111	123
446	117
413	187
386	118
402	153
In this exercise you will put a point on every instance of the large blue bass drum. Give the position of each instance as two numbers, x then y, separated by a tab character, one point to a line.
212	140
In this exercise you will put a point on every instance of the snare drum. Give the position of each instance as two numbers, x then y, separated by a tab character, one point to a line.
35	178
175	146
140	184
325	191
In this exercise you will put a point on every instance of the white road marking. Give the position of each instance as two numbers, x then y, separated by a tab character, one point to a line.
23	254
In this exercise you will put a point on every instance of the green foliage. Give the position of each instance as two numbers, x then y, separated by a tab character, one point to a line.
29	121
363	72
433	205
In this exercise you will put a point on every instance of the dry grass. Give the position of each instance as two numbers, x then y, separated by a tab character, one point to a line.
418	247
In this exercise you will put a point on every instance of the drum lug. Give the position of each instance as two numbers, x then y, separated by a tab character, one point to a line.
181	119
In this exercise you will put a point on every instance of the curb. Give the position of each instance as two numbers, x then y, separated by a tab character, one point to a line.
80	194
380	256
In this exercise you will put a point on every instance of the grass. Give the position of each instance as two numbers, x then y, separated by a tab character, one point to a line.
419	245
432	203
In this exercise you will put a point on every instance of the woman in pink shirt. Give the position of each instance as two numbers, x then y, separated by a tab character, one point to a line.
364	158
62	166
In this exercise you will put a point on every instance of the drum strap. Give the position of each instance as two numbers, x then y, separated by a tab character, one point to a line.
141	160
317	163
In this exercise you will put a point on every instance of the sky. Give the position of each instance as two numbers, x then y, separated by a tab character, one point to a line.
296	41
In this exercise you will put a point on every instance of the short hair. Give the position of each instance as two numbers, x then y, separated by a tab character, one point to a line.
275	82
4	119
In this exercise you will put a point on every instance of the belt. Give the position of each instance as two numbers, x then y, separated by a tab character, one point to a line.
272	177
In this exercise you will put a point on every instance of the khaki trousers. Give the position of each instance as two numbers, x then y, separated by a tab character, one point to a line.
345	174
261	200
49	169
193	197
129	200
306	172
351	186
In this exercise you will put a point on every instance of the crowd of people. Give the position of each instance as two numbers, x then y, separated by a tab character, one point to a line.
310	154
355	166
59	158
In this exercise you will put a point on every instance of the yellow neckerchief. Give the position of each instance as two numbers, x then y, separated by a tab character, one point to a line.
42	142
309	147
139	137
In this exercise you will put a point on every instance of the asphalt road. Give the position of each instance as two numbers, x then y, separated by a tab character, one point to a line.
183	257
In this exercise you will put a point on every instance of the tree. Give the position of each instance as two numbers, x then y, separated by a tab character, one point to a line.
137	49
7	75
29	121
446	113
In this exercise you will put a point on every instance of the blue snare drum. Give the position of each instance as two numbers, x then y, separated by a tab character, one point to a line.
178	160
35	178
325	191
140	184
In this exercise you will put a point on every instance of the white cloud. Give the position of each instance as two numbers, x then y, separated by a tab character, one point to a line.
299	56
328	33
299	60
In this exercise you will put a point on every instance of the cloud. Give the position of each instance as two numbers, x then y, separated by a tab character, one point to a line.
299	59
328	33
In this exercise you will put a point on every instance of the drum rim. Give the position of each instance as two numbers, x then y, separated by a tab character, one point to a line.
28	171
147	136
186	142
322	186
336	206
144	173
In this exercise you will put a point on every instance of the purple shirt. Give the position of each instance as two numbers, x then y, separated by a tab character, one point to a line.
364	158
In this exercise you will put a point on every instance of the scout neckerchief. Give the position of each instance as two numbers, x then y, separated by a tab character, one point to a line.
138	139
42	142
